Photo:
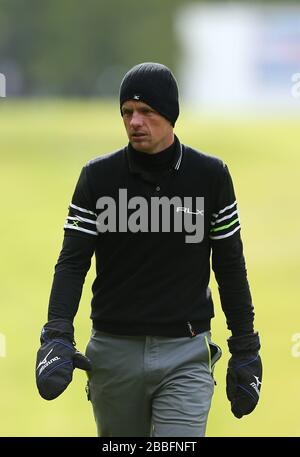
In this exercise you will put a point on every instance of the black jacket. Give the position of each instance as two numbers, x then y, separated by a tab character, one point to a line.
151	278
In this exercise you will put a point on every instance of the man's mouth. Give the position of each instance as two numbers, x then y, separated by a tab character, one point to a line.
138	136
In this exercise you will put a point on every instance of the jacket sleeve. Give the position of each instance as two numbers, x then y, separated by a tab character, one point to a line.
228	261
77	250
82	216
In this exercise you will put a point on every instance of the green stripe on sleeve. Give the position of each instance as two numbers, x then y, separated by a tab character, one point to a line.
224	226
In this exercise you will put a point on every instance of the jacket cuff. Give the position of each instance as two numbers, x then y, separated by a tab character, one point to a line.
58	328
244	343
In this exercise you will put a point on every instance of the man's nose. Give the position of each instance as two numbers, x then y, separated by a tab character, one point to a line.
136	119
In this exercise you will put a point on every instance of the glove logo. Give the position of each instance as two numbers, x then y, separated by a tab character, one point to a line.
45	363
42	362
256	385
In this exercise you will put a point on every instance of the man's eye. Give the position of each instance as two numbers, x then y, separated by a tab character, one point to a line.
146	111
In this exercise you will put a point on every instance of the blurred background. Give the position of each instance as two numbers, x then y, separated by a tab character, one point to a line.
238	69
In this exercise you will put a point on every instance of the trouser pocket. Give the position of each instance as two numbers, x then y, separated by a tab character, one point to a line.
87	391
214	354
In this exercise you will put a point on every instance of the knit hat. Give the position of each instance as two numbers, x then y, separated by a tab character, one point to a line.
154	84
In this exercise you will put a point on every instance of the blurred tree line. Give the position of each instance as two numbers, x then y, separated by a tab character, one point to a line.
82	47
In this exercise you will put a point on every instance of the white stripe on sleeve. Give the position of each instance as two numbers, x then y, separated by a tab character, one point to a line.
82	209
224	209
224	218
73	227
81	219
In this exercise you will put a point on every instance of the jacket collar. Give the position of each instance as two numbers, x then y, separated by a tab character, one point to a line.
134	167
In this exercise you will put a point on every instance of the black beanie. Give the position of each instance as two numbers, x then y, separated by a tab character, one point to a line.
154	84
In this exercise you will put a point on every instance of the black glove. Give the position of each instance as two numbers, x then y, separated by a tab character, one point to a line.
57	358
244	374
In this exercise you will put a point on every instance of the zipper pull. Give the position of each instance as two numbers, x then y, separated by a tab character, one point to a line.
192	332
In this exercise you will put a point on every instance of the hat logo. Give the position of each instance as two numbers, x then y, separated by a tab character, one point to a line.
136	97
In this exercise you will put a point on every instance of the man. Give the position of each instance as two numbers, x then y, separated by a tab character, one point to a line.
152	212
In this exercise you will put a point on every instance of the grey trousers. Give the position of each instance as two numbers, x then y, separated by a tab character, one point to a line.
151	385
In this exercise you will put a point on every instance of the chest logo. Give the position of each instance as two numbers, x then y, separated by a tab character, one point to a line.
188	211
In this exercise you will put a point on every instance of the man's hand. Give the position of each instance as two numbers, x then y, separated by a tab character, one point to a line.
244	374
57	358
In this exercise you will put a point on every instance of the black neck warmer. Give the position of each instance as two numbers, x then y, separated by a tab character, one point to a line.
154	162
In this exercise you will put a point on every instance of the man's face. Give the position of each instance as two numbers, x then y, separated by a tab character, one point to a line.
147	130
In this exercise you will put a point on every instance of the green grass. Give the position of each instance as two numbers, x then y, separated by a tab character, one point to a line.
43	145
